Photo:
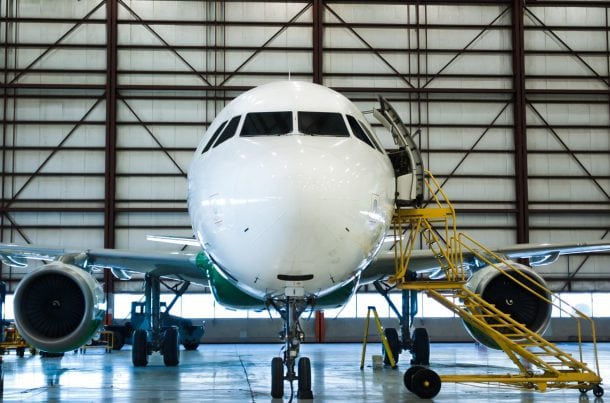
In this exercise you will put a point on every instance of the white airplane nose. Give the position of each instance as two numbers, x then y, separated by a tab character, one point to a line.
307	218
281	209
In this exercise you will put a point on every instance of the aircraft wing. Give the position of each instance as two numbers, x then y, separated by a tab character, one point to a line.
176	265
183	266
423	261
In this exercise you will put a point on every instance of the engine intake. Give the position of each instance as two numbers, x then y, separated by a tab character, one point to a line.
58	307
511	298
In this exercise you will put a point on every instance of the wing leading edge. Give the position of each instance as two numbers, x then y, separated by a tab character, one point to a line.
538	255
176	265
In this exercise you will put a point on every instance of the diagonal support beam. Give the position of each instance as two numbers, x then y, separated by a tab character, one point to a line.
264	45
161	147
567	149
55	150
371	48
572	275
164	42
454	58
565	45
16	227
57	42
476	143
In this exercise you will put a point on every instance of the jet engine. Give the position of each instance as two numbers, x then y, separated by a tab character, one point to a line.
58	307
512	298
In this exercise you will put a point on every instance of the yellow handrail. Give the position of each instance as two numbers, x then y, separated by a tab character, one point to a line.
448	249
576	314
449	258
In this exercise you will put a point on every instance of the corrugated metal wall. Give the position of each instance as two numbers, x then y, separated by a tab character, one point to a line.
104	102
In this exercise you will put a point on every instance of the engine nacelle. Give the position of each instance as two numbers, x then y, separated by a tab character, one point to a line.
58	307
511	298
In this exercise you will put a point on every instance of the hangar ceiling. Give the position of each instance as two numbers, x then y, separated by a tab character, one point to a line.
103	103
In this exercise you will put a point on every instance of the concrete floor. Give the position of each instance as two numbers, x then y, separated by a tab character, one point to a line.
241	373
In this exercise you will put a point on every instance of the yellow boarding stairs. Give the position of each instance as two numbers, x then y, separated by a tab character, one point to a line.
541	364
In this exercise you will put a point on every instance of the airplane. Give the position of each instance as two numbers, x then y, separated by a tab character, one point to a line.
290	195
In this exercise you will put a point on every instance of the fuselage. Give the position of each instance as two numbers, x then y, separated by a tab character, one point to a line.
285	191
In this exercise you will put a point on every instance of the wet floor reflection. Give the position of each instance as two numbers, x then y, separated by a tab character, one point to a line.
241	372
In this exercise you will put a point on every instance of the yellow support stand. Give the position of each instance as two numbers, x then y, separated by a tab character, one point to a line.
105	341
384	340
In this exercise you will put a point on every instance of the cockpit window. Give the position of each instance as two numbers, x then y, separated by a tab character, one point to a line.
267	124
371	136
213	138
359	132
322	124
228	132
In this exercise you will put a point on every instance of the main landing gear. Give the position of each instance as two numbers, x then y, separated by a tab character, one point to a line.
417	343
152	337
290	310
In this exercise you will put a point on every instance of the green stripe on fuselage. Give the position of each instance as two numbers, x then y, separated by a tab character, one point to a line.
225	291
337	298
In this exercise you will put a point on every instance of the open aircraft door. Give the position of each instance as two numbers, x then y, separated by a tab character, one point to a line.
407	161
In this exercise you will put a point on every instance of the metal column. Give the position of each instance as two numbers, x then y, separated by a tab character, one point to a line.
520	137
110	155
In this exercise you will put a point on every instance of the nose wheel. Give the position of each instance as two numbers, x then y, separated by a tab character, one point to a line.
304	390
290	310
277	378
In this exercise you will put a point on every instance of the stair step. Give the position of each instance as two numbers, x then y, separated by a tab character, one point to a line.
509	335
563	364
546	354
540	352
551	354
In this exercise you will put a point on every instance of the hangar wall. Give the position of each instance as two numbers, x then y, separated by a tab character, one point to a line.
343	330
103	103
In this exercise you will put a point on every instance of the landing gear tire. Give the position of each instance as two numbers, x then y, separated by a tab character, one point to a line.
408	377
277	378
304	385
425	383
139	349
20	352
46	354
394	342
598	391
171	348
420	347
190	346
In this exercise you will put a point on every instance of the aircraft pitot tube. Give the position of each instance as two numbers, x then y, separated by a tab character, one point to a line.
512	298
58	307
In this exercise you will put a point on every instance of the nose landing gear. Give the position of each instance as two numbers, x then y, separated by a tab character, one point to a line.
290	310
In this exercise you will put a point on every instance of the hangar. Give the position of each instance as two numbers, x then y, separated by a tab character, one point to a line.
104	103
